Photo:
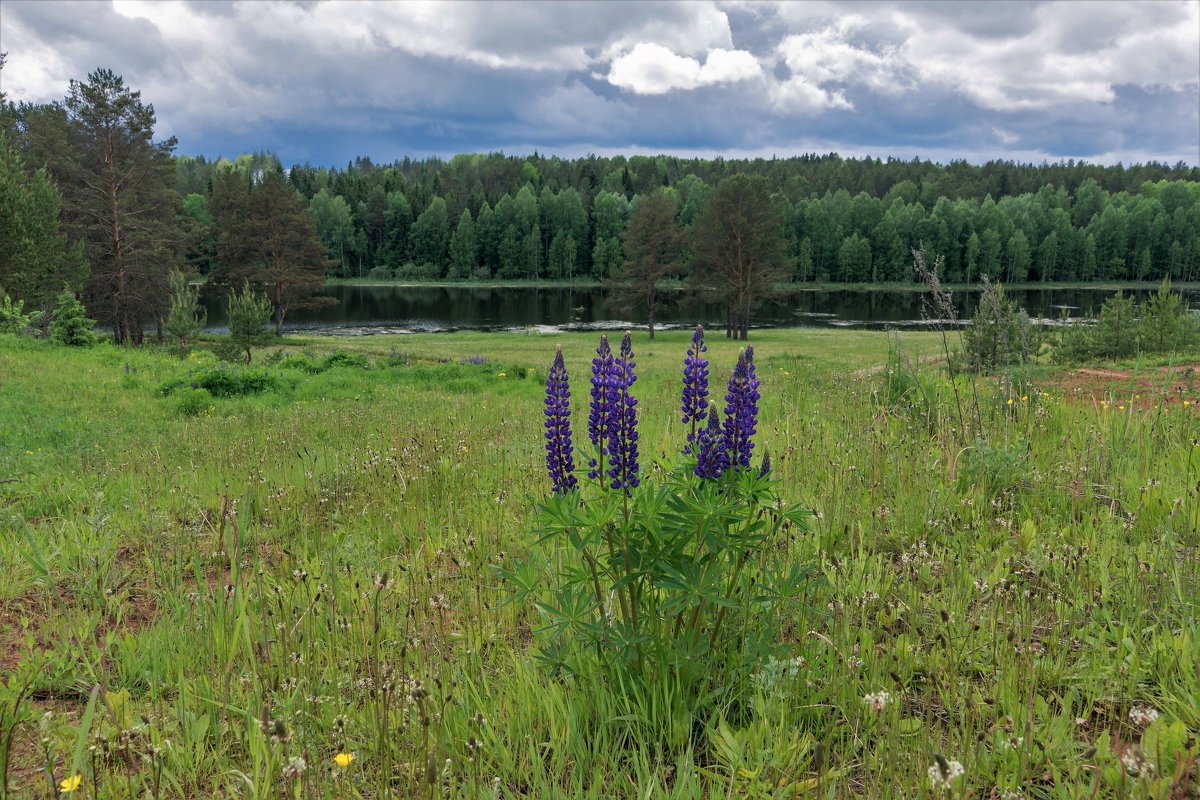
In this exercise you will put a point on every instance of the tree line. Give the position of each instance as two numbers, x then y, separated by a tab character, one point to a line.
94	203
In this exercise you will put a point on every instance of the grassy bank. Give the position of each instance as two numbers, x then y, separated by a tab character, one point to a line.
1026	599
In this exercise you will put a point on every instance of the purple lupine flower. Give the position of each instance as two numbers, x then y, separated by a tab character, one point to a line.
560	458
604	401
711	457
623	435
695	386
741	411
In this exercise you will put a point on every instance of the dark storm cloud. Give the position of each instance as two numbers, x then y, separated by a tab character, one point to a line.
325	81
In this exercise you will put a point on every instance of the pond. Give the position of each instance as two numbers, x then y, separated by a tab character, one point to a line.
360	310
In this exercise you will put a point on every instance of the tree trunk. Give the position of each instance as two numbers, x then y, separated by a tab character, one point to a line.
650	311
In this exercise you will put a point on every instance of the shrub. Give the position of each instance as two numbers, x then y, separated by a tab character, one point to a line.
193	402
13	318
224	381
249	314
999	334
186	318
681	579
71	325
1166	324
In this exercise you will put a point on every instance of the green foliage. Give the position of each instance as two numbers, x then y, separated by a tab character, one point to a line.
70	324
1161	325
186	318
999	335
248	313
13	317
223	380
338	358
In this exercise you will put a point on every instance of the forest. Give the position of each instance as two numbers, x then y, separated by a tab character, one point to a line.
95	204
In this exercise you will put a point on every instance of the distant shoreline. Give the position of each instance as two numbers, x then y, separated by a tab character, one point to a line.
810	286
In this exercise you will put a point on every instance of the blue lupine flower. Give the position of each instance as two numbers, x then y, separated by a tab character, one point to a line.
695	386
741	411
604	400
623	435
711	457
560	458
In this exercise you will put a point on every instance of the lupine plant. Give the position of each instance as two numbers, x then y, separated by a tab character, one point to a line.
681	578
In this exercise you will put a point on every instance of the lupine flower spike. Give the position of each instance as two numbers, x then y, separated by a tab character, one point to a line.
604	395
741	411
695	387
560	459
623	435
711	457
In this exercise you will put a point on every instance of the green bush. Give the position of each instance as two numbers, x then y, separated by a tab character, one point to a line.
224	381
193	402
1123	329
13	318
249	314
71	325
999	334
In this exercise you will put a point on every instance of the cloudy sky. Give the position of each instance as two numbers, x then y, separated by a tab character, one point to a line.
324	81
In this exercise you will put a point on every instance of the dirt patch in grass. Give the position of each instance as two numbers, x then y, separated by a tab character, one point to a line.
1178	385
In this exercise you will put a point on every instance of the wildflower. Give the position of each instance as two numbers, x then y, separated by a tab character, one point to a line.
68	785
622	434
695	385
503	375
600	413
943	773
741	410
560	461
711	457
294	768
1142	716
1135	762
877	701
343	760
1010	401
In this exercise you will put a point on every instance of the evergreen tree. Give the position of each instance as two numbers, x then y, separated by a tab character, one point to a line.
35	260
464	249
431	237
186	318
738	247
271	242
119	200
249	314
71	325
653	246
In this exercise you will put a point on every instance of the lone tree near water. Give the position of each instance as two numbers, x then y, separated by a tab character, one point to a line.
654	246
270	242
738	248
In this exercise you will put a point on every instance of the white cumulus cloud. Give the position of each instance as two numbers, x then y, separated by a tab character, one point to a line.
651	68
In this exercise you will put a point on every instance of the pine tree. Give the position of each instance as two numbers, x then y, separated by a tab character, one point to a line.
270	242
653	250
35	260
119	201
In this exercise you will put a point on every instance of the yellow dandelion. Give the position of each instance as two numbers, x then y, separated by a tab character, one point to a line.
1010	401
1120	408
68	785
343	760
1024	398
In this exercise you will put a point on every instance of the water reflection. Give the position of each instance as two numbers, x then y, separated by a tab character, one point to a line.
402	309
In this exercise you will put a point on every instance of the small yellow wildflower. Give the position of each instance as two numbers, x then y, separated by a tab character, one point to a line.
1024	398
503	375
1120	408
343	760
68	785
1010	401
1187	403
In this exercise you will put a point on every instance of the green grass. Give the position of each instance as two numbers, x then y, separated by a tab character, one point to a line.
214	564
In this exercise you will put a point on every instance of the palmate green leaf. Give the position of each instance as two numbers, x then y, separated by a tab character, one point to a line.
524	579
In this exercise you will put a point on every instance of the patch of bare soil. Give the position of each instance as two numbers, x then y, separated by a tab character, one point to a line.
1177	385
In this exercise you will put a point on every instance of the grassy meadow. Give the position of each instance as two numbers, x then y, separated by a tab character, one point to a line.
197	592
